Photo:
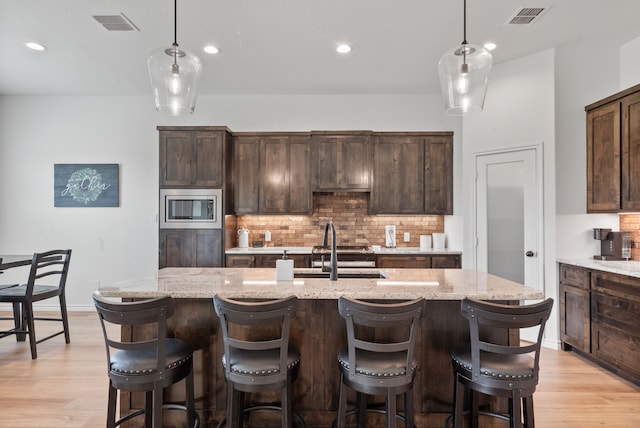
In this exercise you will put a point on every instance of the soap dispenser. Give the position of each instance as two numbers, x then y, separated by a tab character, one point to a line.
284	268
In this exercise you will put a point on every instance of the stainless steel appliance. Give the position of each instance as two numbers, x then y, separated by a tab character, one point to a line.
190	208
613	245
349	256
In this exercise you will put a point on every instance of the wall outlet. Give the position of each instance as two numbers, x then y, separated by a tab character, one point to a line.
407	237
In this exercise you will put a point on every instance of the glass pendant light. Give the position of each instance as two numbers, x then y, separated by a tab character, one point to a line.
464	75
174	73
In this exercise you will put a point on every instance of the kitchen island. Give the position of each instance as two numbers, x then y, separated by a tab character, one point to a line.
318	330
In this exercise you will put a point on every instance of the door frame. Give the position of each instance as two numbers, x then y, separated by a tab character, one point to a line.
539	195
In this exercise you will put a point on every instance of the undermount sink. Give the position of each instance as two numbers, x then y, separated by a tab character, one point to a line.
341	275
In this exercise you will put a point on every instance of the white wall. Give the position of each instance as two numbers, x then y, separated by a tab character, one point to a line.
519	111
110	244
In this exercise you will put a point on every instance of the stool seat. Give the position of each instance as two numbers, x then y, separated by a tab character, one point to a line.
260	363
514	367
143	361
376	364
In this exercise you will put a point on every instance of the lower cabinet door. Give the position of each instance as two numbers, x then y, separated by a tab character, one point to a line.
618	349
190	248
574	318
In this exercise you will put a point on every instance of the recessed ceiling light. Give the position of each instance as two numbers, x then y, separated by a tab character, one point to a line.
210	49
35	46
490	46
343	48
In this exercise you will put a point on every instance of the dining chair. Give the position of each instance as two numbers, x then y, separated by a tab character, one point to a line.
257	356
47	279
379	356
145	364
487	367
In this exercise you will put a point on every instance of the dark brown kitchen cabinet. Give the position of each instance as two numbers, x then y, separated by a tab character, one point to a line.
285	184
575	325
418	261
599	316
412	173
398	165
438	165
246	168
341	161
266	260
615	317
190	248
613	153
272	174
192	157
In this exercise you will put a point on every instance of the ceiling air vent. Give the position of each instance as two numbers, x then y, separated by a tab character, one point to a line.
526	15
116	22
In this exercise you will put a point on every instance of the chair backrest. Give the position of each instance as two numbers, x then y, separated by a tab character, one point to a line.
154	312
494	315
49	268
401	320
259	326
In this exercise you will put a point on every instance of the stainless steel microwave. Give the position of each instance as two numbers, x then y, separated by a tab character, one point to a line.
190	208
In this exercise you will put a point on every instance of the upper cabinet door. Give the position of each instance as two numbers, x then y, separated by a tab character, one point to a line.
631	152
275	175
603	158
299	175
192	158
438	181
341	162
398	165
246	167
176	156
208	158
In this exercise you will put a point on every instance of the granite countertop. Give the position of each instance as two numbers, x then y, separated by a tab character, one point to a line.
268	250
307	250
622	267
433	284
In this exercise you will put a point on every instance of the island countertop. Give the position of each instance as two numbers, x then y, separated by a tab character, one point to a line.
432	284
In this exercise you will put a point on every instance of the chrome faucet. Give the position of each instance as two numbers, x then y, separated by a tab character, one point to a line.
333	264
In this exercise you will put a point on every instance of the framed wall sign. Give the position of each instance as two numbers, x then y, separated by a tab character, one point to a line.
85	185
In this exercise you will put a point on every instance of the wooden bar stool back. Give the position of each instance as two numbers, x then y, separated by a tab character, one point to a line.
257	356
379	356
483	366
149	364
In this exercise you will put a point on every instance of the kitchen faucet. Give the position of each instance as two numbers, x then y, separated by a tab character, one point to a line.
333	264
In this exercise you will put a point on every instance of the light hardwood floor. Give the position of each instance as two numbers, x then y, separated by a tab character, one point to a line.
67	387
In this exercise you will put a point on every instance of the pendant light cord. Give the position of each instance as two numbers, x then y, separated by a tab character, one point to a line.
175	22
464	24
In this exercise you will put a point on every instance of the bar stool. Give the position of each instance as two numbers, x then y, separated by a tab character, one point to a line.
380	362
511	371
148	365
257	355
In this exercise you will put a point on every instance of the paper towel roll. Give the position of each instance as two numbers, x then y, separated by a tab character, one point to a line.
425	242
439	241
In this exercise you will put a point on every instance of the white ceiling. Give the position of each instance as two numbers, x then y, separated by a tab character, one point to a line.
281	46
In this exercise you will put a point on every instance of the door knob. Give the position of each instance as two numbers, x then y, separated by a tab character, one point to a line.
529	253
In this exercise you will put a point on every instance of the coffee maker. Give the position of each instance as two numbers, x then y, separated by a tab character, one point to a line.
613	245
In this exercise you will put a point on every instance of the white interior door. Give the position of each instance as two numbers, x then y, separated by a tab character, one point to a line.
509	215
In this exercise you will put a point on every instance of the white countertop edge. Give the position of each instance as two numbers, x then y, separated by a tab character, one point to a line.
622	267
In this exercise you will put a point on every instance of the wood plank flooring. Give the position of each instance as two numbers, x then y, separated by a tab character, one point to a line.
67	385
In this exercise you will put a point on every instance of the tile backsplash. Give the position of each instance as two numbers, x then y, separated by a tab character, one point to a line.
349	212
631	223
